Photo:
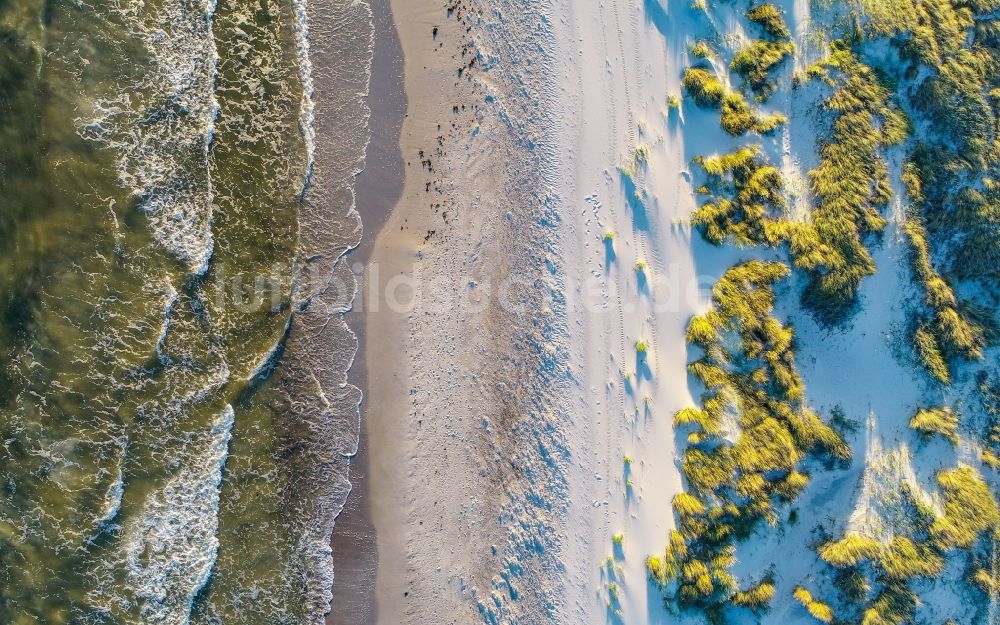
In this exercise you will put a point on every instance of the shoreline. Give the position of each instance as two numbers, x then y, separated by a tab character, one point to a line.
379	186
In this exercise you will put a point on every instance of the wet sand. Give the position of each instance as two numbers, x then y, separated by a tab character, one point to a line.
353	543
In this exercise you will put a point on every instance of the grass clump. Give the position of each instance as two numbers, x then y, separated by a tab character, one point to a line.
757	597
936	421
819	610
737	117
702	50
949	331
704	87
902	559
969	509
851	550
641	155
755	62
769	18
930	354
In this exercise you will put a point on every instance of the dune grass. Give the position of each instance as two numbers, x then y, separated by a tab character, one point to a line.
949	329
930	422
850	185
737	116
819	610
969	509
748	369
746	200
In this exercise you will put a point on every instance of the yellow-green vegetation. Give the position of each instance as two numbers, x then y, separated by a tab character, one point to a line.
936	421
850	550
641	154
969	509
950	55
746	200
819	610
986	581
618	538
895	605
641	347
874	576
949	331
737	117
930	354
748	370
850	184
701	50
704	87
755	62
990	396
899	560
756	597
769	18
641	265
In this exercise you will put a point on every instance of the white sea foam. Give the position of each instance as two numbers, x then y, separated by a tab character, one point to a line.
332	101
113	498
171	547
161	128
304	61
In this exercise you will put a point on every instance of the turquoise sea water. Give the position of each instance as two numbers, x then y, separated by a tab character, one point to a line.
174	200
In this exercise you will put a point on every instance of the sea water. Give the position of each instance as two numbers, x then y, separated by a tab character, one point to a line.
176	198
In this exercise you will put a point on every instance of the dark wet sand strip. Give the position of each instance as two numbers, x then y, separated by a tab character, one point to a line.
355	553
